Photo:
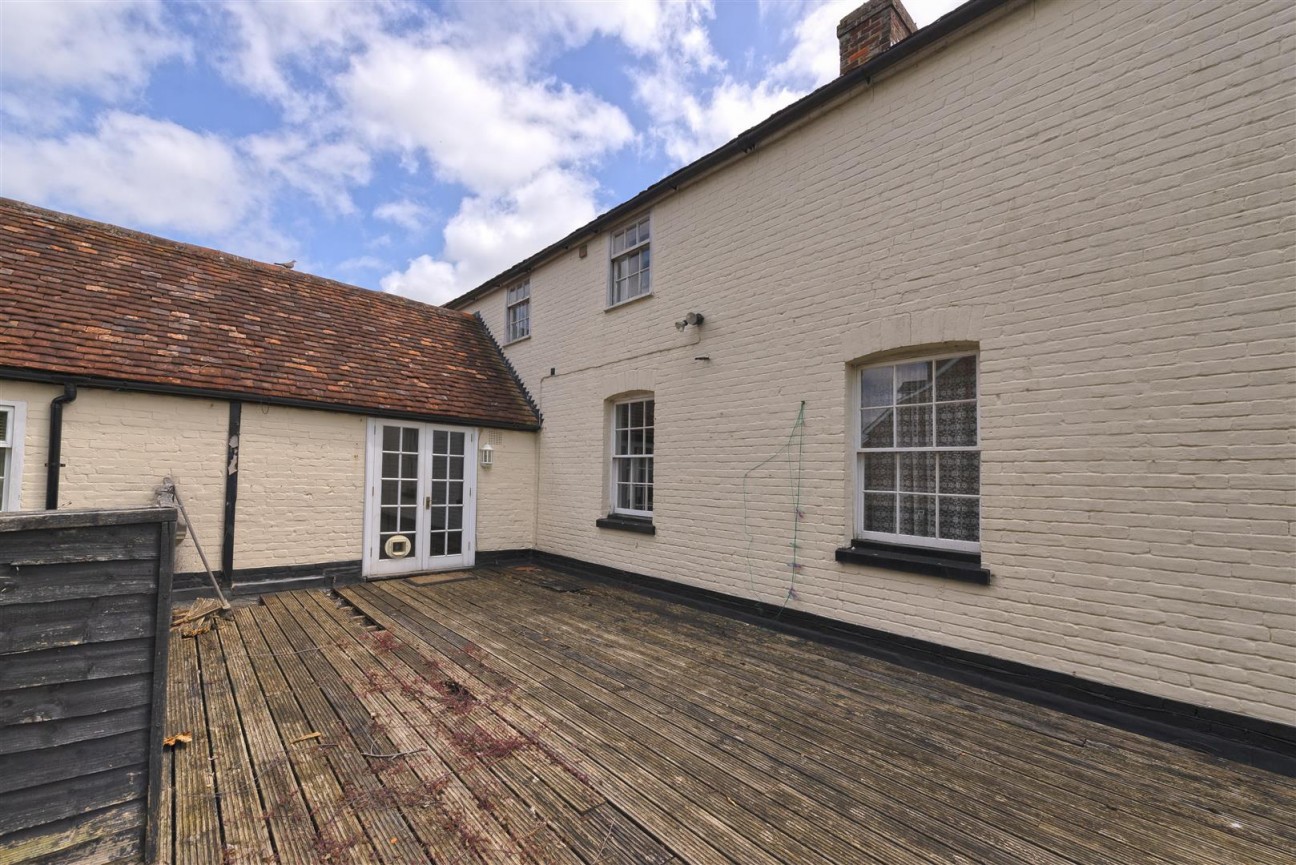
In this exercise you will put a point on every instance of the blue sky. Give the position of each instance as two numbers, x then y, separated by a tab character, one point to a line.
412	147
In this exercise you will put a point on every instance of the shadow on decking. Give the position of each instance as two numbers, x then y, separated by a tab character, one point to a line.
498	720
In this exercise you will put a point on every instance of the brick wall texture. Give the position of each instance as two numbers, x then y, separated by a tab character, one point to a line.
301	473
1098	195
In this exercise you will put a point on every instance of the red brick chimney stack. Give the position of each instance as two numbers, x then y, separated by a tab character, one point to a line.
870	30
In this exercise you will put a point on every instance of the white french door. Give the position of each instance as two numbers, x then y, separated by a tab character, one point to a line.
421	498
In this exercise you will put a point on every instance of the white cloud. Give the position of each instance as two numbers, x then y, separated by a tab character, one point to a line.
325	170
136	171
483	127
488	235
104	47
407	214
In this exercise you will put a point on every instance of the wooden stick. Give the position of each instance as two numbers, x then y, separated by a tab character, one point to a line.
168	482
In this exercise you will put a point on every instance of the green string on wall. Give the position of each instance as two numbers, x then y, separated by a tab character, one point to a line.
793	448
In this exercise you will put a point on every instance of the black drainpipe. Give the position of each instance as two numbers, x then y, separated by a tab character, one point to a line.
231	489
55	449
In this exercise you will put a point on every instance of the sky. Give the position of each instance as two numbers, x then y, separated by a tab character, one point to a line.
418	148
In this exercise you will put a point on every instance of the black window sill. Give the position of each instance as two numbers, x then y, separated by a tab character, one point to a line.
964	567
620	522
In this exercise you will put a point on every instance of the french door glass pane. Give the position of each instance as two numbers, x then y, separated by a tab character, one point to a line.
446	494
398	492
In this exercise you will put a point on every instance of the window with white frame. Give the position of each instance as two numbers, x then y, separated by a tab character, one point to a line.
517	310
632	457
919	459
12	417
630	271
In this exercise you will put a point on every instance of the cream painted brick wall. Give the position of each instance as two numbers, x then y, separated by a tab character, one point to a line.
118	446
1099	194
301	487
506	492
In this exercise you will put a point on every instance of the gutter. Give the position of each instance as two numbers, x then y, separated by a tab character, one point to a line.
55	446
748	141
19	374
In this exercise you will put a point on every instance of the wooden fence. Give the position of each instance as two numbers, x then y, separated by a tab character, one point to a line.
85	600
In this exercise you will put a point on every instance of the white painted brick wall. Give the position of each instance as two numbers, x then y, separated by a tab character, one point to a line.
117	448
506	492
301	487
1101	195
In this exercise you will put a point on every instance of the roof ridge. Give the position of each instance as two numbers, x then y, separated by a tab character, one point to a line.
210	252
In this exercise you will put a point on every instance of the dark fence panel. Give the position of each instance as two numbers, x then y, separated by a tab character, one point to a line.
85	599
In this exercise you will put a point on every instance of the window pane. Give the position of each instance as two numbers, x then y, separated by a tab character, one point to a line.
623	496
407	518
391	438
913	382
879	471
454	543
960	472
875	387
409	466
437	518
918	472
913	426
623	471
636	414
457	443
956	378
439	492
439	439
648	495
391	465
439	468
956	424
876	428
918	516
454	518
436	543
456	492
648	441
623	416
456	468
409	492
409	439
879	512
960	518
648	412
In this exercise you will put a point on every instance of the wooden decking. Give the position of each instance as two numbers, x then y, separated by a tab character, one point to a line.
494	720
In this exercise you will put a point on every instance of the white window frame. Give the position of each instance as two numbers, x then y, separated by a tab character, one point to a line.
517	297
642	243
11	454
612	448
857	436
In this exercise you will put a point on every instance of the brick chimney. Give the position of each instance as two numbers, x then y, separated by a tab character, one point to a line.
870	30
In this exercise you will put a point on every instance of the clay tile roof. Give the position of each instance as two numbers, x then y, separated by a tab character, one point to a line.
96	302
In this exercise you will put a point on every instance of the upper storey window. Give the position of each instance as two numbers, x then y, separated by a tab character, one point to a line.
630	269
517	307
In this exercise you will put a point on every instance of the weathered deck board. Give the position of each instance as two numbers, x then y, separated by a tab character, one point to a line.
491	720
1061	799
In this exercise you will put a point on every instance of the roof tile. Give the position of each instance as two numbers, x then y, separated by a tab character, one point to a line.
81	298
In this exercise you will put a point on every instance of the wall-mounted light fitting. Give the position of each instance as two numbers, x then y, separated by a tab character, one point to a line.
693	318
487	456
